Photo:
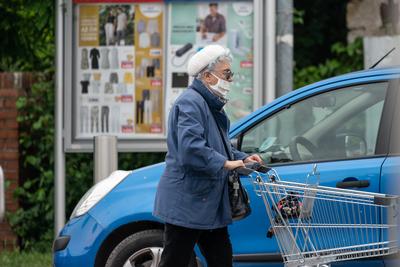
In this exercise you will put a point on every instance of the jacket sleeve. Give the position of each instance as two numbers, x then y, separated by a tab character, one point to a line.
238	155
193	148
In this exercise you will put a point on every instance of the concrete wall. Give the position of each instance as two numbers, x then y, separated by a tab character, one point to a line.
372	18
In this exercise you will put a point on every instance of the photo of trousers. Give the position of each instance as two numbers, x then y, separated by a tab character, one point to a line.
105	112
139	112
180	241
84	119
120	36
109	29
115	116
148	111
94	119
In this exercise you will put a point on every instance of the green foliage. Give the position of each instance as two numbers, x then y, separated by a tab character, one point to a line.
23	259
317	25
347	58
27	30
33	220
298	16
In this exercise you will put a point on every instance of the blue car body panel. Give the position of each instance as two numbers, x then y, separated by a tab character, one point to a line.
85	233
132	199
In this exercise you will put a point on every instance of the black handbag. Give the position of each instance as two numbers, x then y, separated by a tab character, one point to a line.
238	197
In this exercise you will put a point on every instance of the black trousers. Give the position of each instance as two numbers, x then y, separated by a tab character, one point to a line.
179	243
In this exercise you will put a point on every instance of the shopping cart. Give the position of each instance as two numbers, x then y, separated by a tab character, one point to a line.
316	225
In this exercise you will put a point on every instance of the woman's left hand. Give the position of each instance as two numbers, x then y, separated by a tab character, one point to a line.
253	158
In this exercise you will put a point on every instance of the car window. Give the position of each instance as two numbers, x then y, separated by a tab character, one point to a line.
339	124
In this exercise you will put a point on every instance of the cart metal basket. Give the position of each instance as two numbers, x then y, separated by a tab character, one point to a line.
316	225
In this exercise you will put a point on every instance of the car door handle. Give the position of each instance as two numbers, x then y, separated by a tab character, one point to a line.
357	183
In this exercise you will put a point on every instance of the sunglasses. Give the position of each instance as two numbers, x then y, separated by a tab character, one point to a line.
228	74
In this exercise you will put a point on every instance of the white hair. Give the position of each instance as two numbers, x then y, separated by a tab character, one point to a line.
211	66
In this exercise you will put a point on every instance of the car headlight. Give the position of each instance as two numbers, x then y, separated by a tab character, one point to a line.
97	192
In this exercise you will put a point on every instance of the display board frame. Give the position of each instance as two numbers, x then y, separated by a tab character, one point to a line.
139	142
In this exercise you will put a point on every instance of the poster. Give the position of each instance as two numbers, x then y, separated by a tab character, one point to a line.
195	25
148	93
118	66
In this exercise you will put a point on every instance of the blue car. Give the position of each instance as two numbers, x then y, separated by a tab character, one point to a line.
349	125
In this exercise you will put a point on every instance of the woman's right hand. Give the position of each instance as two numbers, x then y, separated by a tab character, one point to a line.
233	164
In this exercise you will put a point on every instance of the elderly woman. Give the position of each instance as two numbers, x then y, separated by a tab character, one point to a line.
192	196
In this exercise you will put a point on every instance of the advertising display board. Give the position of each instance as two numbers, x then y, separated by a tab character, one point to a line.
192	25
118	69
126	64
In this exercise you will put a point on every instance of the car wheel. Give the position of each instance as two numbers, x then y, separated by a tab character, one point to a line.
142	249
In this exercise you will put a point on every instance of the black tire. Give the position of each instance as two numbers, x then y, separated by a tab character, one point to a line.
138	244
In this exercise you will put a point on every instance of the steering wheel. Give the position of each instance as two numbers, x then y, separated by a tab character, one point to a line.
300	140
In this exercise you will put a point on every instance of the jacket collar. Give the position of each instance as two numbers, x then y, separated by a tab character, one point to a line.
214	102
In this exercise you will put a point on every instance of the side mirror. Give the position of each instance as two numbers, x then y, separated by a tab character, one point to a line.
355	146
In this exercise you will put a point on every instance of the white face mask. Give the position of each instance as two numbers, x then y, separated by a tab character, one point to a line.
222	87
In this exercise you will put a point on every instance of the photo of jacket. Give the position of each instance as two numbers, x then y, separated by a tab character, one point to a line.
144	40
85	87
155	39
84	59
128	78
113	77
114	58
94	56
105	62
141	26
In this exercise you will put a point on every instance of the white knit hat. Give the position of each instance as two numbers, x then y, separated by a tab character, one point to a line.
205	56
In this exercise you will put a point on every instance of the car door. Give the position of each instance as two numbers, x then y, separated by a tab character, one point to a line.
338	130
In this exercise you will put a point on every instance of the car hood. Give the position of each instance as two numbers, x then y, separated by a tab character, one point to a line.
144	177
130	200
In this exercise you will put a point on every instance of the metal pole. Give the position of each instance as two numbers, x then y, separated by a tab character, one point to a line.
284	81
105	156
2	195
258	46
270	58
59	169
